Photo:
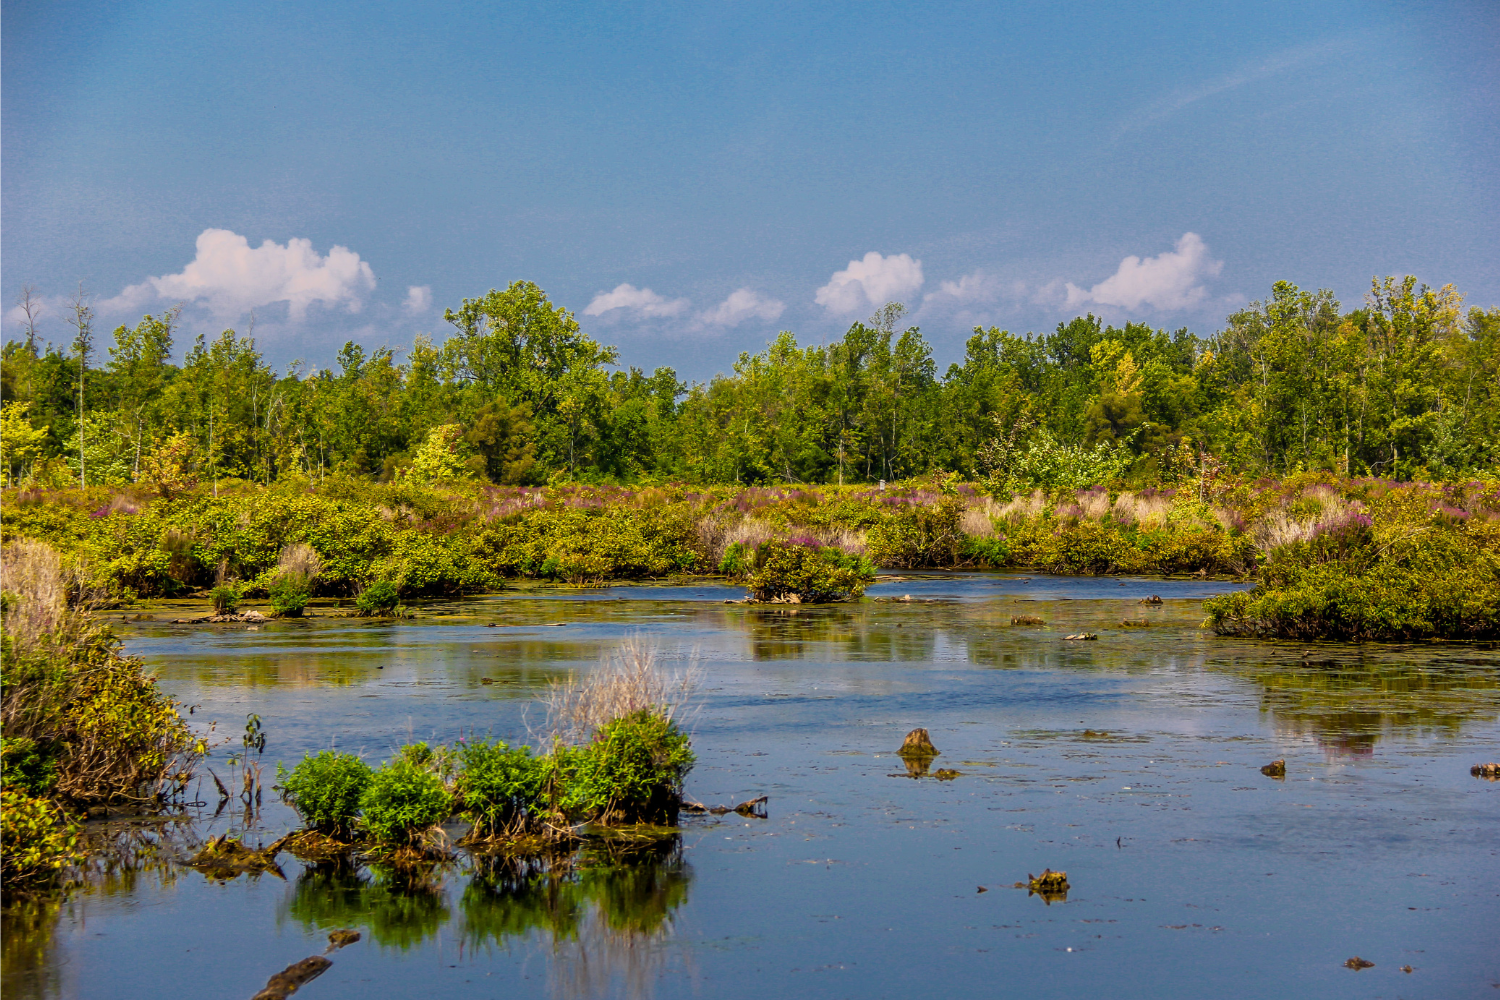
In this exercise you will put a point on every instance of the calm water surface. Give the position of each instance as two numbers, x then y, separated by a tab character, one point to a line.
1132	763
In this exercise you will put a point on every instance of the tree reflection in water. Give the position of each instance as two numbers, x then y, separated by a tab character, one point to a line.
1349	705
605	910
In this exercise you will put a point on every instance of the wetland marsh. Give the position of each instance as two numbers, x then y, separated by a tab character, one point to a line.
1131	762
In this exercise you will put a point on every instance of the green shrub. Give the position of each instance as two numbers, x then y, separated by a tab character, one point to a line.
402	801
801	571
289	594
498	787
326	789
1408	576
226	598
36	840
28	765
379	598
631	772
738	560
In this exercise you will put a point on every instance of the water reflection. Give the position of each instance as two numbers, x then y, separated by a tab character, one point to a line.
1348	705
402	907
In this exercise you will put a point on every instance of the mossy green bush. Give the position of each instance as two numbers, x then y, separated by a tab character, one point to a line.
289	595
799	570
402	801
326	789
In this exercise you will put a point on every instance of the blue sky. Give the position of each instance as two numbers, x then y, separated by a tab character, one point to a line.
691	178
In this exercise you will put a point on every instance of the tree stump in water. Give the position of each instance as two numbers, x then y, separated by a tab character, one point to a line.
918	744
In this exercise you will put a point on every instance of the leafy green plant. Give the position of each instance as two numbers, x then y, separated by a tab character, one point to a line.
28	765
226	599
326	789
379	598
498	787
402	801
289	595
801	571
36	840
738	560
630	772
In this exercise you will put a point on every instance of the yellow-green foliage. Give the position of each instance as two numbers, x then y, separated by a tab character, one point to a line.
1409	565
37	839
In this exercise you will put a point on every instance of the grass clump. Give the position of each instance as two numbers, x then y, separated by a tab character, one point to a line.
326	789
800	571
403	801
291	586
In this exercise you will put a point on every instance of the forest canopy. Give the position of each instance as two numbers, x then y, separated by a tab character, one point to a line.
1406	386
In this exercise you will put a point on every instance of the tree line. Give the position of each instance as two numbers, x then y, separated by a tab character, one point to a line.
1407	385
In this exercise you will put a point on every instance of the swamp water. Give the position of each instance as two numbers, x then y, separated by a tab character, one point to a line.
1131	762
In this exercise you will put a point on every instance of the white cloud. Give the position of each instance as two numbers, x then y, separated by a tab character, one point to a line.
742	305
231	277
418	299
639	300
871	283
1172	280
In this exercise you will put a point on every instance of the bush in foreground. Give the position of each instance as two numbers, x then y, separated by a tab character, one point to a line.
37	839
403	801
326	789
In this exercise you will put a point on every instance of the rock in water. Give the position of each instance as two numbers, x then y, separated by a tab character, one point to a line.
1275	769
918	744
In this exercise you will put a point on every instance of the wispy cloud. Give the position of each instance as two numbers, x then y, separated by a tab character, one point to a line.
1271	66
871	283
230	277
742	305
641	301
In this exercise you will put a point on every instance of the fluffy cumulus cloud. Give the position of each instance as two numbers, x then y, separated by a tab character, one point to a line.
230	277
418	299
1168	281
641	301
871	283
742	305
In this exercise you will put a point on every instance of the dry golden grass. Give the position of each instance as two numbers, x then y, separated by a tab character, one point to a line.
299	559
628	681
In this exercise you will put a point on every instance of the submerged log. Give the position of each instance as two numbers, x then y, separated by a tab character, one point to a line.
293	977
